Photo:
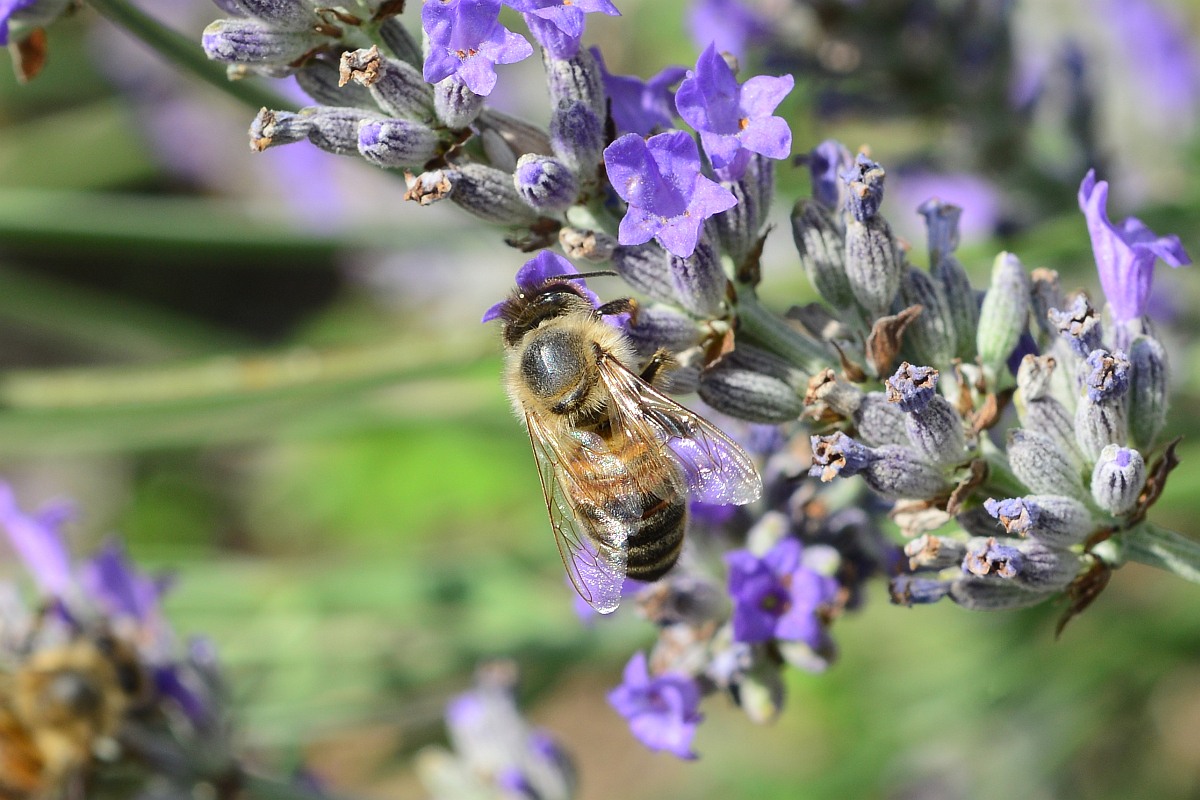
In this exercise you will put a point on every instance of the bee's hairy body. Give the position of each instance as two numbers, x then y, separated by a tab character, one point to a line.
552	371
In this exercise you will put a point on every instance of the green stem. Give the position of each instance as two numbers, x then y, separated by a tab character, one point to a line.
762	327
187	55
1158	547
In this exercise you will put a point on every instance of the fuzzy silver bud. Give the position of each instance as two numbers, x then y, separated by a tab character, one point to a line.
320	80
936	432
400	42
576	78
396	86
456	106
1045	294
1102	411
1005	312
994	594
662	326
489	194
931	335
645	267
751	384
1040	464
545	183
737	228
911	590
1054	520
961	303
251	42
286	15
577	137
1047	416
822	248
899	473
872	263
699	280
880	421
1118	479
396	142
1149	389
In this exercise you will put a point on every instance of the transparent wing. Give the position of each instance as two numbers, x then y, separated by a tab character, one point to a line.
716	469
590	541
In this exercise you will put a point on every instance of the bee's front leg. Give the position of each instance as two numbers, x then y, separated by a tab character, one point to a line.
622	305
656	368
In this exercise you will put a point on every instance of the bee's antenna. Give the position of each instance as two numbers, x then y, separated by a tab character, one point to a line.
600	273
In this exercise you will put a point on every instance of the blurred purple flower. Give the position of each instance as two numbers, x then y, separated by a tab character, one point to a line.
775	597
662	711
826	163
640	106
729	24
535	272
734	120
668	197
7	9
558	24
1125	254
980	200
118	587
466	39
1163	60
38	541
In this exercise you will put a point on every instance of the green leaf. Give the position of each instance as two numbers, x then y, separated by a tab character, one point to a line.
1158	547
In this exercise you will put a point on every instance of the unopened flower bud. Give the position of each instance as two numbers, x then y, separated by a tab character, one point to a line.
864	182
288	15
250	42
1005	311
842	397
1029	563
977	522
1039	463
1101	414
941	225
961	303
661	326
396	142
936	432
1148	390
397	86
1033	377
822	248
737	228
910	590
594	246
931	335
989	594
880	421
826	163
911	388
577	137
456	105
645	267
872	264
753	385
1045	294
989	557
1054	520
321	80
489	194
837	455
1079	325
545	183
699	280
576	78
1048	416
1118	479
274	128
402	44
928	552
899	473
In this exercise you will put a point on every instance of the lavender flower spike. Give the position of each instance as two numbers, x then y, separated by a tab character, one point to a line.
466	39
638	106
775	597
662	711
734	120
558	24
1125	253
668	197
38	543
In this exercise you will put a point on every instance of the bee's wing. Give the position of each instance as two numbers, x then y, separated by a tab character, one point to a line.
595	557
716	469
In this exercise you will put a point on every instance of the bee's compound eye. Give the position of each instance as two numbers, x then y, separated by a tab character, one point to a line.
74	691
552	364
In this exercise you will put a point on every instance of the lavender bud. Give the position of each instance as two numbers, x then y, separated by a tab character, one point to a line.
1033	377
988	594
753	385
760	177
1047	416
864	182
822	248
397	86
961	303
909	590
1054	520
319	79
1079	326
911	388
577	137
248	41
545	183
1101	414
900	473
1148	390
645	268
288	15
928	552
497	151
521	136
826	163
872	264
576	78
661	326
880	421
989	557
335	130
737	229
699	280
489	194
1005	311
400	42
1045	295
594	246
456	105
941	225
1039	463
1118	479
837	455
931	335
977	522
936	432
274	128
396	142
1029	563
843	397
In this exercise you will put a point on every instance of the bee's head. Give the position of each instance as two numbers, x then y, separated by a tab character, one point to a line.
530	306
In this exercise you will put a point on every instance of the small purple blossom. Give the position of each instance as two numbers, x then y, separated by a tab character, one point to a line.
668	197
8	8
730	25
115	585
38	541
826	163
535	272
640	106
1125	253
775	597
558	24
734	120
467	40
662	711
1163	61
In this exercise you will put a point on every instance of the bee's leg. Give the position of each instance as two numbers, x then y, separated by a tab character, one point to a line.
622	305
656	368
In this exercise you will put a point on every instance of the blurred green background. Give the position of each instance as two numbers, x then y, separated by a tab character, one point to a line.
265	372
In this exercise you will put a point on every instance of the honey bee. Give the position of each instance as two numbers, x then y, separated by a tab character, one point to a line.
617	458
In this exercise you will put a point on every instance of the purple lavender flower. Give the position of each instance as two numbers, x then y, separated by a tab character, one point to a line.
38	541
115	585
558	24
466	39
668	197
640	106
1125	253
775	597
535	272
662	711
734	120
9	8
1163	60
826	162
730	25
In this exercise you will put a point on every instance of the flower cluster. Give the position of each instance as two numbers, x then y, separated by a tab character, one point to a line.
92	685
496	754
